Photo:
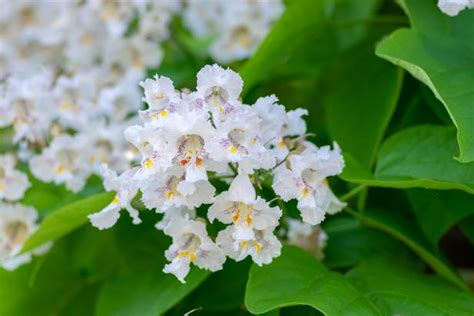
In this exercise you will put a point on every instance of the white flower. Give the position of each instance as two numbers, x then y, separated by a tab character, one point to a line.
219	89
155	154
191	244
13	183
262	248
188	136
237	139
170	190
17	223
241	207
238	27
126	189
309	237
63	162
160	95
172	213
453	7
303	177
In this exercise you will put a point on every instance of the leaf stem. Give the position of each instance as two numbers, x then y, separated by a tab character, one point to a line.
353	192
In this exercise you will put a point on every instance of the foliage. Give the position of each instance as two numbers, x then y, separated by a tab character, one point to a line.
408	181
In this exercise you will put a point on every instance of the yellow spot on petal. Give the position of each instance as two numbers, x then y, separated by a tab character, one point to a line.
281	143
233	149
254	141
148	163
170	195
60	170
221	109
116	200
164	113
192	256
243	244
305	192
325	181
92	159
153	116
257	246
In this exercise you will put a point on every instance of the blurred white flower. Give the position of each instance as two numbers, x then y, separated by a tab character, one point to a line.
13	183
17	224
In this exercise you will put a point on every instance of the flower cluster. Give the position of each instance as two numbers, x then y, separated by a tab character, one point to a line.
17	222
191	141
66	116
453	7
236	27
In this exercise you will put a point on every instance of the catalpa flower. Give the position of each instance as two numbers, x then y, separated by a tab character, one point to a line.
126	189
63	162
13	183
303	177
191	244
241	207
263	247
170	190
453	7
17	223
218	89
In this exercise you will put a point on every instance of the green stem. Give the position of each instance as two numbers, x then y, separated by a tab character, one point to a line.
352	193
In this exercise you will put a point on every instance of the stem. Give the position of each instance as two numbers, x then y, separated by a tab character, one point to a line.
353	192
233	168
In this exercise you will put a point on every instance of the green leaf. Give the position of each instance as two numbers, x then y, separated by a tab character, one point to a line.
149	292
63	281
290	50
420	156
399	289
141	287
403	229
358	111
349	242
297	278
438	211
467	227
215	294
67	219
438	50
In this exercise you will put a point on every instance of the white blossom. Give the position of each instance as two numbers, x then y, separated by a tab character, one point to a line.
126	189
241	207
262	248
303	177
17	224
306	236
13	183
453	7
191	244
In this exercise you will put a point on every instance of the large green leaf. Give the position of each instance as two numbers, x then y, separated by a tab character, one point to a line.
350	242
399	289
148	292
141	287
439	50
64	281
438	211
297	278
404	229
358	111
290	49
416	157
67	219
